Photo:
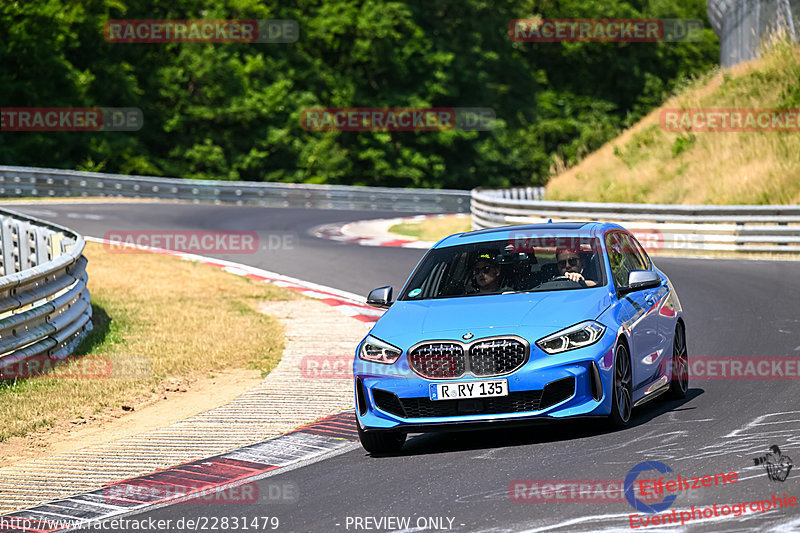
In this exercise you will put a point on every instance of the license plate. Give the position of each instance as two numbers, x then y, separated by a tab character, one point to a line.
469	389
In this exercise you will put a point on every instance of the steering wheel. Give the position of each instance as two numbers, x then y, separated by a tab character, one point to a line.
582	283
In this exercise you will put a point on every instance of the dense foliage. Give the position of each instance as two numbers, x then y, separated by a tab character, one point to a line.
231	111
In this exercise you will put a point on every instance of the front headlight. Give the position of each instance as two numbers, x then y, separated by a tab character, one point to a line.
577	336
376	351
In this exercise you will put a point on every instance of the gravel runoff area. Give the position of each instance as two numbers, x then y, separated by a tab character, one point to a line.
285	399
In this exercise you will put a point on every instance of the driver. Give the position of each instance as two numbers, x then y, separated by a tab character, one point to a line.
571	264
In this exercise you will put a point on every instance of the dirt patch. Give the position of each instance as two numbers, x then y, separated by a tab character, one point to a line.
176	400
166	328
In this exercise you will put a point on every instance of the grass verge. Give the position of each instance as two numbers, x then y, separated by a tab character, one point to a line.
651	165
433	229
156	318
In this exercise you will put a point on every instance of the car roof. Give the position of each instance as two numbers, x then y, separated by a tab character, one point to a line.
574	229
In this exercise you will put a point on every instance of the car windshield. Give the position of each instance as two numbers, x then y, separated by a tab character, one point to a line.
496	267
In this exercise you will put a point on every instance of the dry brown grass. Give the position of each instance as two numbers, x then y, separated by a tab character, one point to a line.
648	164
433	229
185	320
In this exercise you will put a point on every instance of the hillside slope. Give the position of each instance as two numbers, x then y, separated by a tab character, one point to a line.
649	164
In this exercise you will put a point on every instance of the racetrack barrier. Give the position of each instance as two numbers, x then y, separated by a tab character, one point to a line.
772	229
44	303
48	182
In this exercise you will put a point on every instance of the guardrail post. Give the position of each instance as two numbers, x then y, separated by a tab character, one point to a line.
42	255
23	246
55	245
8	243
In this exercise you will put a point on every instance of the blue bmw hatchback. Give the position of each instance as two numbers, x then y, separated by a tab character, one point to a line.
513	324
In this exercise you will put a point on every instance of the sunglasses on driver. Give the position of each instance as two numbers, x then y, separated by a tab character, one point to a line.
573	261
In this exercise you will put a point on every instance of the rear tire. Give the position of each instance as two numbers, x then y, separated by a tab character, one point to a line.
381	442
680	366
622	395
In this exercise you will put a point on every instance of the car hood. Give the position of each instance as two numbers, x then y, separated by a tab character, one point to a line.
539	313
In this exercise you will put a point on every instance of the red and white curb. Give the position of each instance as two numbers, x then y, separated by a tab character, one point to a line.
349	234
347	303
191	482
196	479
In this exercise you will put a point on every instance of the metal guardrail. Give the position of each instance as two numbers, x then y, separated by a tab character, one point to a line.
519	193
44	182
44	303
676	228
742	24
684	228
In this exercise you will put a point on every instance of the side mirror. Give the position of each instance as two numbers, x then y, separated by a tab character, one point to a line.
380	297
639	280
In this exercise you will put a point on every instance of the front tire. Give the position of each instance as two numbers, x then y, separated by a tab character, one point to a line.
381	442
680	366
622	395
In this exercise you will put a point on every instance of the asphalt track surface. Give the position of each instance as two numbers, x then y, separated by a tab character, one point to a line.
731	307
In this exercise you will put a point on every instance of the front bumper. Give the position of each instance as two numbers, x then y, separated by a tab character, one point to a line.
547	387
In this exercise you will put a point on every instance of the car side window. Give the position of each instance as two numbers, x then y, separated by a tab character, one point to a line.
616	256
640	250
635	260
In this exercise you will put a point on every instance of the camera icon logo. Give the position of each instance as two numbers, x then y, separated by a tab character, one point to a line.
776	464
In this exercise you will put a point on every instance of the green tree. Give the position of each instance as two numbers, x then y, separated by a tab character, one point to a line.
232	111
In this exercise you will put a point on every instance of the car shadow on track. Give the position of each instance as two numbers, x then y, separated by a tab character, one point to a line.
538	432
